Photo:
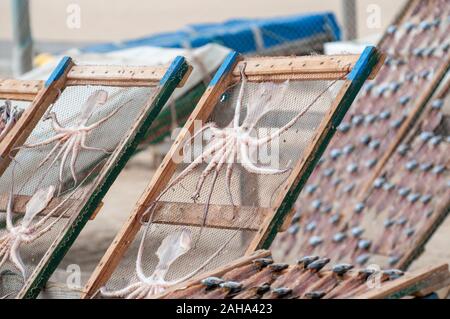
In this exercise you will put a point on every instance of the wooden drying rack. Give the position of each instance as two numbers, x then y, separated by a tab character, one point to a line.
163	78
353	69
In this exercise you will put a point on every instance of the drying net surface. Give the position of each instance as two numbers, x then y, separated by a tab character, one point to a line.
211	247
417	49
28	176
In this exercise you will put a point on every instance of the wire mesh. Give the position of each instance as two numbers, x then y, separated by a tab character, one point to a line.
214	246
417	56
27	175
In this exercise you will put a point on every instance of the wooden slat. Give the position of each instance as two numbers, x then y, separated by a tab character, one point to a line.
20	202
121	76
328	76
219	216
378	66
417	245
112	75
18	97
435	276
439	285
10	87
332	67
293	69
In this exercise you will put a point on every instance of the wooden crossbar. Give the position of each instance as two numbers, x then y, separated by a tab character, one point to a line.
123	76
219	216
19	90
20	202
333	67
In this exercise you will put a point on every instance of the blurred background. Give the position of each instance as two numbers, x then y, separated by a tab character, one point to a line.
63	24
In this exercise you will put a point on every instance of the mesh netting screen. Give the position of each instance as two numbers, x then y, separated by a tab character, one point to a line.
29	172
278	103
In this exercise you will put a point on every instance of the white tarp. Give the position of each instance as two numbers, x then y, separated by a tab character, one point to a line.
205	59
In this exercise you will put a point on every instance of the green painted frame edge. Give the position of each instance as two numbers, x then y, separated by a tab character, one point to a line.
168	84
370	58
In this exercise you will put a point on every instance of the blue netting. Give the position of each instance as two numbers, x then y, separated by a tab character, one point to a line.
238	34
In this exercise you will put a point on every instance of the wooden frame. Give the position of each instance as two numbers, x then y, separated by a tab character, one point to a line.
261	69
418	283
163	79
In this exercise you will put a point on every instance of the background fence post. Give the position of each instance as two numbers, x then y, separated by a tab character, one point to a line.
349	19
22	54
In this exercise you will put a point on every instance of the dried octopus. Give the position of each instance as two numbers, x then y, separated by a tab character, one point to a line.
234	143
26	231
71	140
8	117
172	247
